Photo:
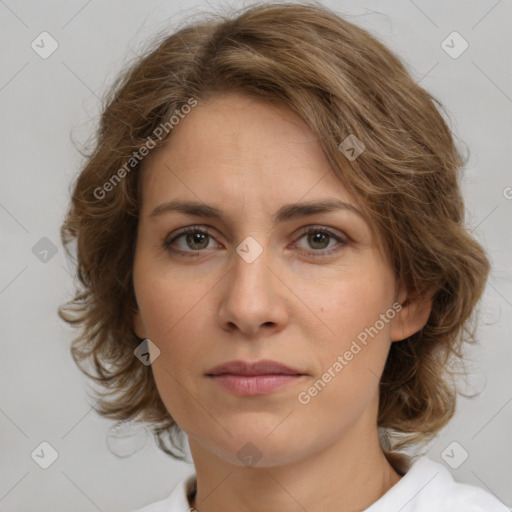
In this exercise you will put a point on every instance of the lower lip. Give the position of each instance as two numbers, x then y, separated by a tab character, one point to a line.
254	385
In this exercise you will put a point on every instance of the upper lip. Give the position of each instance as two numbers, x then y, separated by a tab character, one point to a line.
263	367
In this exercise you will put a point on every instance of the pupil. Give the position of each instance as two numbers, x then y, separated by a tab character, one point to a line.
196	238
318	236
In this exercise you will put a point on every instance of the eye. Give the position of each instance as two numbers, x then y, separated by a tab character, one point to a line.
194	238
318	239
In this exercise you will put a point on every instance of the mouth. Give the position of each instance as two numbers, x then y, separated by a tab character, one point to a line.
256	378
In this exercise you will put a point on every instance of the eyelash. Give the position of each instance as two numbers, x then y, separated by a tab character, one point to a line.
197	229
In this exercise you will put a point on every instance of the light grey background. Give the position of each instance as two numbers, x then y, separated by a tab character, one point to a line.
47	103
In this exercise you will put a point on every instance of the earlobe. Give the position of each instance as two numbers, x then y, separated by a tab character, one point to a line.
411	318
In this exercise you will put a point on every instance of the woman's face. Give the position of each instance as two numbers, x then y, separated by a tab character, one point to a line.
253	285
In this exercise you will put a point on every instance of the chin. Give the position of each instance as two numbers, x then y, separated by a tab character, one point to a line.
258	443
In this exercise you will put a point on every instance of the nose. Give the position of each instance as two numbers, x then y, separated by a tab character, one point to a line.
253	299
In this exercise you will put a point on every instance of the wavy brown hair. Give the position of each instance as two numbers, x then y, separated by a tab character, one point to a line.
341	81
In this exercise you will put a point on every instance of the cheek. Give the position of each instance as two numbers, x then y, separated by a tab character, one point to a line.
357	302
172	321
175	329
358	315
167	301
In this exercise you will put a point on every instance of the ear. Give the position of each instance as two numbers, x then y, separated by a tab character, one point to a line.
412	317
138	325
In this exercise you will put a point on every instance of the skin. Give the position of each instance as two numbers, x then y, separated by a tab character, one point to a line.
249	158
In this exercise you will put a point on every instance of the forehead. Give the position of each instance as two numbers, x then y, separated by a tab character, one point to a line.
233	149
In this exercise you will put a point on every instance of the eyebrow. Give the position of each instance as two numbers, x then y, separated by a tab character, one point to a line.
285	213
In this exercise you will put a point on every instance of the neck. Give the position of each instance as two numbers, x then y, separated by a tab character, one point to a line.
347	475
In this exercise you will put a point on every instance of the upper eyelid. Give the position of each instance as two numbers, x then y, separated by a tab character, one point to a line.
206	227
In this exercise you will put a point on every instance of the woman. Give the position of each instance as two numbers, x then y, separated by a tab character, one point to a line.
271	245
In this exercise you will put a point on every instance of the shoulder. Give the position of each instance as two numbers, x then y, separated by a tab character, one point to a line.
176	502
428	486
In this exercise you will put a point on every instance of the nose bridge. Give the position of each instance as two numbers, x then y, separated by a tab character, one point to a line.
250	264
251	299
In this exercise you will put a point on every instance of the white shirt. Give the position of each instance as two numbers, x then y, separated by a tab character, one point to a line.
426	486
